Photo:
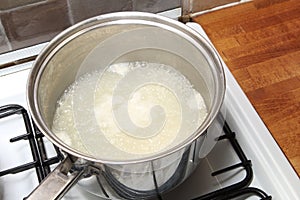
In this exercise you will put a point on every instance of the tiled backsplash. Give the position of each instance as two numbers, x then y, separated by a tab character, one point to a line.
28	22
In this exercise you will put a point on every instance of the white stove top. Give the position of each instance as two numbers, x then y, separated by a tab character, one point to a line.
272	171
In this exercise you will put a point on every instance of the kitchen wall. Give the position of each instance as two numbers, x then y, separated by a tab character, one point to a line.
194	6
28	22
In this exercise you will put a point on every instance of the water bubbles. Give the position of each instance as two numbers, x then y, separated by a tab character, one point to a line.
143	64
139	86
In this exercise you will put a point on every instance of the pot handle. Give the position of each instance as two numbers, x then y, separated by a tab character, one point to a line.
57	183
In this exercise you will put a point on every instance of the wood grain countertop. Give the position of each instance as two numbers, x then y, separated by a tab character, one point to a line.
261	47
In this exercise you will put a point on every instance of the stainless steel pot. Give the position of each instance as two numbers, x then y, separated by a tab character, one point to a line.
123	37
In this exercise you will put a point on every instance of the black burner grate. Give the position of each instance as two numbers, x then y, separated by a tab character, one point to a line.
42	163
240	189
35	138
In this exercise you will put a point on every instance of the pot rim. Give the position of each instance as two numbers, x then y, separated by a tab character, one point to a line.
59	41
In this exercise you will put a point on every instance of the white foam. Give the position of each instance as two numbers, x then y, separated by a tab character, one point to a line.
90	115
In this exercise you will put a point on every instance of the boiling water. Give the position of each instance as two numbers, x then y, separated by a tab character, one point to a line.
129	110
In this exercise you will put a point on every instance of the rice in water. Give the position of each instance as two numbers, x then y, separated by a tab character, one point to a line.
130	110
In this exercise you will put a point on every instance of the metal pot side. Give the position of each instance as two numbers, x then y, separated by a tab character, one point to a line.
164	41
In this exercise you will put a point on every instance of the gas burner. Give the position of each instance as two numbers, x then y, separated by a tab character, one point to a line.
42	164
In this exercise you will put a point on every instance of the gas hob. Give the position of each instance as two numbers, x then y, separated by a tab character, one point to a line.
272	173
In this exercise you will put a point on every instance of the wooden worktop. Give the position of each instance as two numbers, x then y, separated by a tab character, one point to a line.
260	44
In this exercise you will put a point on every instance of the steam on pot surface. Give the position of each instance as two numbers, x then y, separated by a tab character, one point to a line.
128	110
